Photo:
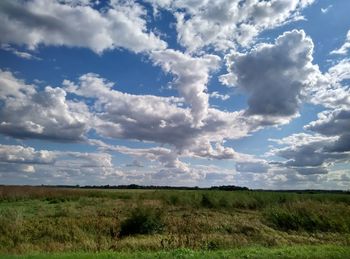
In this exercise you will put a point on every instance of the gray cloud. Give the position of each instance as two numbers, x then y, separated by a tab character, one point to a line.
341	145
135	163
331	123
310	154
252	167
329	144
334	123
274	75
311	170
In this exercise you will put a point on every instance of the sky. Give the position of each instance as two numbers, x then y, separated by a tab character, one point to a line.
175	92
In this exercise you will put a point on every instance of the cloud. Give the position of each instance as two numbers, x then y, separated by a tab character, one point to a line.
341	145
216	95
274	75
280	178
59	23
343	50
309	154
326	10
301	139
169	159
25	155
334	123
21	54
340	71
224	24
333	92
329	142
191	78
153	118
59	160
135	163
311	170
301	156
331	123
48	114
28	113
98	165
252	167
169	164
169	167
57	167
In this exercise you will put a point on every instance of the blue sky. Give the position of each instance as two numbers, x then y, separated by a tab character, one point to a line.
167	92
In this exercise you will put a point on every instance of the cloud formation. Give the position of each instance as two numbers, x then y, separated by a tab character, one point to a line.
191	78
224	24
333	91
180	139
20	54
30	113
25	155
65	23
63	167
343	50
153	118
274	75
310	154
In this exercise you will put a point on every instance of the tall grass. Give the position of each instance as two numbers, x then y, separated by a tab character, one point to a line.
55	219
310	216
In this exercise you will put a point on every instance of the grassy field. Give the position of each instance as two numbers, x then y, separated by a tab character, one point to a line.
250	252
69	223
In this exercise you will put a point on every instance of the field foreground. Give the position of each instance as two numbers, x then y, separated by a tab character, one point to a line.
251	252
37	222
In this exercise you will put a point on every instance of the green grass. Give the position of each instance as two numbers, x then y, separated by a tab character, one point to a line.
310	216
249	252
53	220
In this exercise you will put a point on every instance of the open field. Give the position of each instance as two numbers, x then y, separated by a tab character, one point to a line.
37	220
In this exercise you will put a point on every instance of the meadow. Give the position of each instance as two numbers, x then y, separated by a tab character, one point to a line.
71	223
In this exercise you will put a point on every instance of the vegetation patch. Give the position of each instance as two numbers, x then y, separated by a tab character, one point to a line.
309	216
142	220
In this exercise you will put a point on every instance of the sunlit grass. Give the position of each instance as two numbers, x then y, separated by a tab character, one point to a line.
38	220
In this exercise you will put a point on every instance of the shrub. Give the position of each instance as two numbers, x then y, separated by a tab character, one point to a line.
142	221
